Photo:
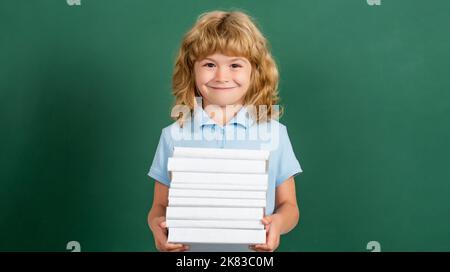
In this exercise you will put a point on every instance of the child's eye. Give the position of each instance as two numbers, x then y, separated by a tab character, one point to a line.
236	65
209	65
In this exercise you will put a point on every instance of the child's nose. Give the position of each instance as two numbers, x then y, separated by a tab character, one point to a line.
222	75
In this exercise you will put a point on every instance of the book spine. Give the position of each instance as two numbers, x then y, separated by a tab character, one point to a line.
220	178
181	185
222	236
217	153
232	224
215	202
173	192
216	165
214	213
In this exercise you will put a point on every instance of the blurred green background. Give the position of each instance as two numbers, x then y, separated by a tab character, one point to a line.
85	91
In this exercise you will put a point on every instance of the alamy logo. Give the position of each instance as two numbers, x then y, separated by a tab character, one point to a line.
374	2
74	246
73	2
373	246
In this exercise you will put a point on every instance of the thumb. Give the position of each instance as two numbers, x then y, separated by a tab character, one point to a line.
267	227
267	220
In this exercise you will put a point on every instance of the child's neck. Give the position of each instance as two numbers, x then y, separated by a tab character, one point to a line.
222	115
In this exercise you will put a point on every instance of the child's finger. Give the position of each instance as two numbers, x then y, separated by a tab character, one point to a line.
267	227
163	224
170	246
267	220
262	247
181	249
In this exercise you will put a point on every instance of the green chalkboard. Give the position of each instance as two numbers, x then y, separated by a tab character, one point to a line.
86	89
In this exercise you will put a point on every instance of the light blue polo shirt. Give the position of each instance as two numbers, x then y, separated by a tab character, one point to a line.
241	132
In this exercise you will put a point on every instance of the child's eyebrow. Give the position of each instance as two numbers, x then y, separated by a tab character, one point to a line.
209	59
231	60
241	59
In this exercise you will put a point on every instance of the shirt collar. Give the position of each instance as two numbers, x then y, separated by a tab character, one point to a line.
242	118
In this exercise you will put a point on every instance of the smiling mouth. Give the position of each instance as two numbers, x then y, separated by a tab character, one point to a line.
222	88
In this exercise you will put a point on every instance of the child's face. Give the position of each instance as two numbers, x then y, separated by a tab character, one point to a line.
222	80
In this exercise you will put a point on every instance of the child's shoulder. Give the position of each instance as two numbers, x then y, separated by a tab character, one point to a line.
272	125
276	123
175	131
170	129
172	126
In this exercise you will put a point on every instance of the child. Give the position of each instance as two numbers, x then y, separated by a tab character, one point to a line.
225	85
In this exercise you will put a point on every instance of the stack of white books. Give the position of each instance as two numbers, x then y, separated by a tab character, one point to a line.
217	196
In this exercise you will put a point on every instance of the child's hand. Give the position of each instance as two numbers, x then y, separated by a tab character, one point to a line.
159	229
272	235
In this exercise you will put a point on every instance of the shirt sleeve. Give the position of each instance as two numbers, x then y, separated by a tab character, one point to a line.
158	169
288	164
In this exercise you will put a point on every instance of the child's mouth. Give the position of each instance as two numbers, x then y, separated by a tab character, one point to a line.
222	88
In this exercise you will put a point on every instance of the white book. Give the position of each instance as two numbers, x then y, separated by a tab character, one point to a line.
216	165
219	236
202	247
224	224
173	192
220	178
181	185
215	202
214	213
220	153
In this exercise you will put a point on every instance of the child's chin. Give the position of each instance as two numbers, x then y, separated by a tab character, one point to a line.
228	104
224	100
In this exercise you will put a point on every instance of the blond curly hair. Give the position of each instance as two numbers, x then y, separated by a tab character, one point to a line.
232	33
